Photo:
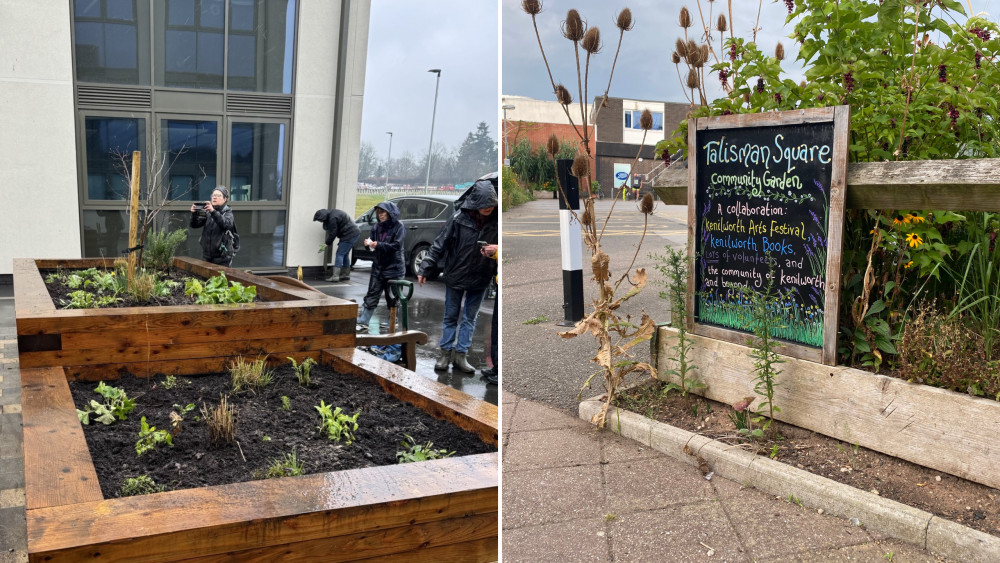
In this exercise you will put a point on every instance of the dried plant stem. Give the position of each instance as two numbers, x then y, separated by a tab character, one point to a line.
552	80
614	63
615	200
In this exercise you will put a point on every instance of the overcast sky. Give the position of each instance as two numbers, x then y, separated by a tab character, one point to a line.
644	70
406	38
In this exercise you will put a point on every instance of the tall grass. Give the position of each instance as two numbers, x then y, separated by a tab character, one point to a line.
977	282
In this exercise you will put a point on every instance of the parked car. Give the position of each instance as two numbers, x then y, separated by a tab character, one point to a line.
423	215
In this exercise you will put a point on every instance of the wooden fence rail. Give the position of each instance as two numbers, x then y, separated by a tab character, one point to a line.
958	185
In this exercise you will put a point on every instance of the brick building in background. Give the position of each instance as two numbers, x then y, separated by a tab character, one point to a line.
616	130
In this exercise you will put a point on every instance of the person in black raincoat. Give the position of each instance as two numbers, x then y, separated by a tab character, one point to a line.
467	272
386	241
216	220
339	224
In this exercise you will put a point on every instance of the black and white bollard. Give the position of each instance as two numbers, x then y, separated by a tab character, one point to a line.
571	242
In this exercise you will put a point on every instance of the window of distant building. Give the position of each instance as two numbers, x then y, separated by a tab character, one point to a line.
203	85
632	118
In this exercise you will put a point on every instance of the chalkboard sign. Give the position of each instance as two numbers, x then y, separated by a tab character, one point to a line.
765	205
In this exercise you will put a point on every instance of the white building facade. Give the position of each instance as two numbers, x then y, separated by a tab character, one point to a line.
261	96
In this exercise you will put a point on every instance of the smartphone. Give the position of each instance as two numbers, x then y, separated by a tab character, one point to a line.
481	242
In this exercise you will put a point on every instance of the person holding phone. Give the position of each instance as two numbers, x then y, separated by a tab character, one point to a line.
467	271
218	227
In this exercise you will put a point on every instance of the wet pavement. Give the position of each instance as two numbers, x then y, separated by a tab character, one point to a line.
425	311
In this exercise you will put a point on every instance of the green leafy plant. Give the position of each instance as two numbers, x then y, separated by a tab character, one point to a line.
420	452
150	438
217	289
336	425
537	320
221	421
116	404
141	485
286	403
160	247
250	374
82	299
302	370
288	466
170	382
673	268
765	312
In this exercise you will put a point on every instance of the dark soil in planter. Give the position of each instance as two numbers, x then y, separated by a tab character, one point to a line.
59	292
939	493
264	431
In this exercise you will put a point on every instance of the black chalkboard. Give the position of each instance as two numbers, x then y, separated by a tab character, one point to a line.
762	209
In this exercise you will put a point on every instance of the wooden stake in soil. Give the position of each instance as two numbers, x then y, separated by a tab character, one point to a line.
133	219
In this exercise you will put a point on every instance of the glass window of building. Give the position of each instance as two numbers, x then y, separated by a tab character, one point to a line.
107	36
110	142
632	118
191	158
261	38
257	162
190	43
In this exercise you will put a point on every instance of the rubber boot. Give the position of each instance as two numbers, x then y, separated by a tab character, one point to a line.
345	273
363	318
444	360
462	363
335	276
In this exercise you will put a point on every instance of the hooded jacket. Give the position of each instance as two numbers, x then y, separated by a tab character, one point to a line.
388	262
337	224
456	248
215	226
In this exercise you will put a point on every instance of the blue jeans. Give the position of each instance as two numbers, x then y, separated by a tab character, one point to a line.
343	249
452	308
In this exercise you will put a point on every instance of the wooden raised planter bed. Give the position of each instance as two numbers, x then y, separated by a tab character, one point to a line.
948	431
430	511
437	510
179	339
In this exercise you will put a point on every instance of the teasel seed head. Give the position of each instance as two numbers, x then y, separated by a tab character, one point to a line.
581	166
692	79
533	7
625	22
681	47
692	47
704	53
685	19
592	40
779	51
586	217
647	204
573	27
646	120
552	146
675	58
563	95
722	25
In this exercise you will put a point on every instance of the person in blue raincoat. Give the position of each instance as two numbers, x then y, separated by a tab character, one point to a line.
386	242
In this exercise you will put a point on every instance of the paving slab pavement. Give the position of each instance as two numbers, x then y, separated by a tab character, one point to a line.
575	493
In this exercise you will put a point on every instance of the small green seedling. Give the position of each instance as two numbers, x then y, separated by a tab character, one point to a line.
116	405
420	452
335	424
150	437
289	466
302	370
141	485
170	382
286	403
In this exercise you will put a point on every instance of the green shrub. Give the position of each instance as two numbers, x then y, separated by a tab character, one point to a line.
335	424
218	289
512	192
160	248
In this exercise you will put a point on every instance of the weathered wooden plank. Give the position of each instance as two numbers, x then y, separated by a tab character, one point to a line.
30	295
944	430
191	366
958	185
467	552
437	399
58	468
793	117
183	335
155	318
267	288
117	352
265	513
419	542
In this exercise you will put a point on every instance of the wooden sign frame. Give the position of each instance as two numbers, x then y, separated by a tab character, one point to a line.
839	116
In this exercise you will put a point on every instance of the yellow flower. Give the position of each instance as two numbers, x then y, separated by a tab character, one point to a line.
897	220
908	264
917	219
907	218
914	239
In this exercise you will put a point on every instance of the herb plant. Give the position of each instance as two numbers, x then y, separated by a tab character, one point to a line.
289	466
336	425
116	404
141	485
150	438
218	289
286	403
420	452
673	267
302	370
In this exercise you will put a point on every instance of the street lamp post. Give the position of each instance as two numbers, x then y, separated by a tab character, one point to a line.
427	180
505	107
388	161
